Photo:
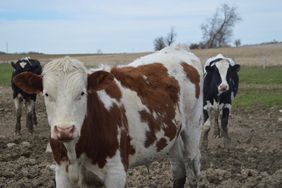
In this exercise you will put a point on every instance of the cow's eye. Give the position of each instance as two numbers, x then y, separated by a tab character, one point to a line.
78	97
46	94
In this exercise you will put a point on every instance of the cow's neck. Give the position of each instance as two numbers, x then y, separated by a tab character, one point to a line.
70	147
99	132
74	165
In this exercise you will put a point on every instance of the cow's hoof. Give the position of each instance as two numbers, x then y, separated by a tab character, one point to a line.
30	132
216	133
179	183
227	143
205	145
17	133
30	129
193	184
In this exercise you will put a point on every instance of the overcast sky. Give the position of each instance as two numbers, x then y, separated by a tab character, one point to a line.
83	26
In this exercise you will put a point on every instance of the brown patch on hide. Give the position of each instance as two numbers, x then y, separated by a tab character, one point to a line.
161	144
99	80
158	92
99	133
193	75
126	148
59	151
113	91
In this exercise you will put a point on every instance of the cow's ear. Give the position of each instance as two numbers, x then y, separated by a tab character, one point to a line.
209	68
99	80
236	67
13	65
29	82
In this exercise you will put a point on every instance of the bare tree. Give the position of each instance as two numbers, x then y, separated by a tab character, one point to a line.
217	32
171	37
159	43
237	42
99	51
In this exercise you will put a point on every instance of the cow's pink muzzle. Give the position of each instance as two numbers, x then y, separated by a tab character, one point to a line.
63	132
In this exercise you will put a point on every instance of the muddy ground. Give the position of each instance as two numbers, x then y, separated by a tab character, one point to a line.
254	160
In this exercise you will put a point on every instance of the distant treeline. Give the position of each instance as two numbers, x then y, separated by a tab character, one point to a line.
272	42
24	53
201	45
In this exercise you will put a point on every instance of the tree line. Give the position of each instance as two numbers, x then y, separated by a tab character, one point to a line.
217	31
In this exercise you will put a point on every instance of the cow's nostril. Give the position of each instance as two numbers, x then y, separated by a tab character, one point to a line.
64	132
223	87
72	129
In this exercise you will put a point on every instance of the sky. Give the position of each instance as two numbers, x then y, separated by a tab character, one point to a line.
117	26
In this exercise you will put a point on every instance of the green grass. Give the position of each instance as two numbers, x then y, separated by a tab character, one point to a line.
247	96
250	98
5	74
269	92
256	75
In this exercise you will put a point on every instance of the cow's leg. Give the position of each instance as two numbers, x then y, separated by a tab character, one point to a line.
18	105
215	122
61	176
34	118
206	128
192	155
224	126
116	174
29	105
177	164
191	136
89	179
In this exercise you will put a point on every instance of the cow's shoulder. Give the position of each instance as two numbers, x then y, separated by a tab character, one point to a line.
158	92
100	133
151	82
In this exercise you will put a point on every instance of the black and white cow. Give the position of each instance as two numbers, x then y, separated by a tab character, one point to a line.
221	83
25	65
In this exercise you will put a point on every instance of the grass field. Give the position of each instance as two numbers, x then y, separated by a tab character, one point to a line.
257	86
5	74
255	75
260	87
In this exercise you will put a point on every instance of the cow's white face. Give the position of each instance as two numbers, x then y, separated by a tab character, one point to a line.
223	67
65	97
64	84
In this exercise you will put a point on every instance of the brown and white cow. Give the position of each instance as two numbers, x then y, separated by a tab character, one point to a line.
106	121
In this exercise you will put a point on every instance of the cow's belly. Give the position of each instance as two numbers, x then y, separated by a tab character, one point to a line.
144	156
148	155
150	144
152	132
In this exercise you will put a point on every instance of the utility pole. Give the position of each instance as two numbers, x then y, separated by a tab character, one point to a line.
7	47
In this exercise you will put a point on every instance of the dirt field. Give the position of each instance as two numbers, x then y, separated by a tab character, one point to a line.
255	159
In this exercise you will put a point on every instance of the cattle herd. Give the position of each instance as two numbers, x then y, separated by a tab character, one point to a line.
104	121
